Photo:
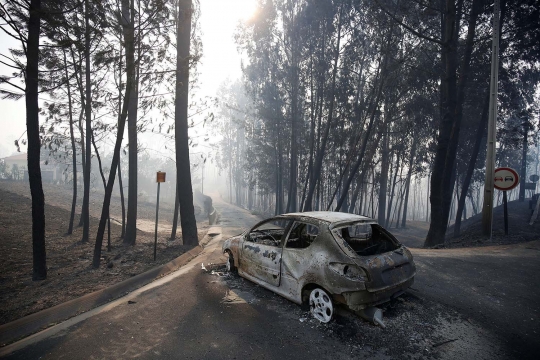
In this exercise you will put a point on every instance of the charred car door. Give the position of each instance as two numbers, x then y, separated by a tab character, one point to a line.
262	250
297	255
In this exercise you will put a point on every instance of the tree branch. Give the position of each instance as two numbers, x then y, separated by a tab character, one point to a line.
425	37
4	80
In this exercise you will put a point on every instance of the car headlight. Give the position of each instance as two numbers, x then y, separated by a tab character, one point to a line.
350	271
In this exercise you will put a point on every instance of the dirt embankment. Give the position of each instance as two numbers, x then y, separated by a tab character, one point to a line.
519	230
70	274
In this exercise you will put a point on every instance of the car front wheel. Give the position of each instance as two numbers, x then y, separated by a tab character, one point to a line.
320	305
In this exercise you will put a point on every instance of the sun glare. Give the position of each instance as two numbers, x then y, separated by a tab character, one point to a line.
242	9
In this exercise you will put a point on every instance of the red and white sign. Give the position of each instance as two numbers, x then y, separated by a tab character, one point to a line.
505	179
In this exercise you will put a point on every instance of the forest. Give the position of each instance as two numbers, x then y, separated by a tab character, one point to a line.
379	108
375	107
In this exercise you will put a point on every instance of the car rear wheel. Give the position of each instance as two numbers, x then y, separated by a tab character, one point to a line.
230	262
320	305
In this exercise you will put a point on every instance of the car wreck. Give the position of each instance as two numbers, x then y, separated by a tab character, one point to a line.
324	258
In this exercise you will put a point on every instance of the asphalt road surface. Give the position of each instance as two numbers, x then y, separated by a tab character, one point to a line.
470	304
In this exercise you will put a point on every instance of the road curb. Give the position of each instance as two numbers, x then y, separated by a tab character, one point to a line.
30	324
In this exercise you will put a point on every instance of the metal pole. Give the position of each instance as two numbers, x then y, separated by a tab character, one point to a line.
157	209
487	209
505	201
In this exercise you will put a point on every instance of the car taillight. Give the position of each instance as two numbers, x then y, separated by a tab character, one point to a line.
350	271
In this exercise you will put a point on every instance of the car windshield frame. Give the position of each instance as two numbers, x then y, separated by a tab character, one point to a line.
286	229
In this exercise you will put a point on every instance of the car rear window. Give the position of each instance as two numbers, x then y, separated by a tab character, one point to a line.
366	239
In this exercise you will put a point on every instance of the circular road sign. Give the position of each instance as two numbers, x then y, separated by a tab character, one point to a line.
534	178
505	179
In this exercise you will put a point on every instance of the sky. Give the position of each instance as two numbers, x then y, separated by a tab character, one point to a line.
220	62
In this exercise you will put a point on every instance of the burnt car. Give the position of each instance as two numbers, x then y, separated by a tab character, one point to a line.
322	258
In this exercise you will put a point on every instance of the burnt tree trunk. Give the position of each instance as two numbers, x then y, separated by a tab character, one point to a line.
185	191
393	191
383	181
88	116
104	189
128	14
408	182
175	214
120	184
482	128
73	152
122	201
39	259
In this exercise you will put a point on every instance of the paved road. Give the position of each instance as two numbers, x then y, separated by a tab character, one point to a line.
206	314
497	287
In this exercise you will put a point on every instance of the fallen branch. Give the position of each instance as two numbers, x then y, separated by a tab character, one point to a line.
444	342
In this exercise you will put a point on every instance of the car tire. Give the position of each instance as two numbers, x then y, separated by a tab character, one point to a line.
230	263
321	305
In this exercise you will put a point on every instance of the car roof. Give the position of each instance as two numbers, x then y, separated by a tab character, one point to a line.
330	216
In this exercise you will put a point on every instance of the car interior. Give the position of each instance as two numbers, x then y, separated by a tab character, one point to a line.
269	233
302	235
367	239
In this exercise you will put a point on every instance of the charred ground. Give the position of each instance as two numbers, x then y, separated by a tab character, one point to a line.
69	261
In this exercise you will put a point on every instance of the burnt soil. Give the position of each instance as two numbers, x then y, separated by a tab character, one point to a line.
69	261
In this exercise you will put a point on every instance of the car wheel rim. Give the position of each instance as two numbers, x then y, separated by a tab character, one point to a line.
320	305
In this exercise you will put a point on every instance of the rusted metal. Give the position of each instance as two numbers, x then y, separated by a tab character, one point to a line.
160	177
358	281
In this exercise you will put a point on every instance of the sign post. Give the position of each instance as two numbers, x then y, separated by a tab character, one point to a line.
160	177
505	179
487	209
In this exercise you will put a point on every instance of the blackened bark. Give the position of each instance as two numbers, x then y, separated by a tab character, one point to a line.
293	172
383	183
120	184
185	191
408	183
523	172
175	216
122	201
73	151
480	132
104	189
78	77
88	115
392	192
39	259
128	11
83	157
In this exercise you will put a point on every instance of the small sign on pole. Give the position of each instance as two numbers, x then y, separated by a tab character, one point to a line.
505	179
160	177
